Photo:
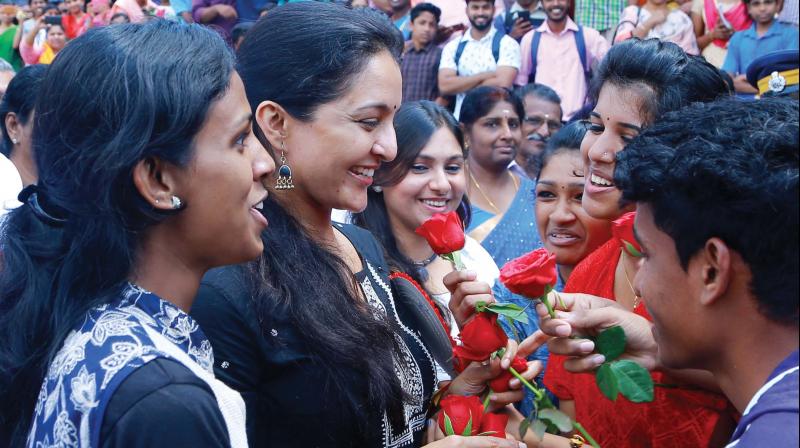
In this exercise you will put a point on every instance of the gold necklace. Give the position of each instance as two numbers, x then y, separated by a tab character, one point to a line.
636	298
480	190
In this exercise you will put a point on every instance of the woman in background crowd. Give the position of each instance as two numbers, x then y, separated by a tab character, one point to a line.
657	20
35	53
636	83
76	21
8	33
502	203
715	21
16	122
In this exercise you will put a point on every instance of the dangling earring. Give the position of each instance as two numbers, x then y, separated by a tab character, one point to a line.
176	203
14	141
284	173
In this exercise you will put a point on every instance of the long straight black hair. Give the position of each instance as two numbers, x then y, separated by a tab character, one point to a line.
301	56
112	97
415	123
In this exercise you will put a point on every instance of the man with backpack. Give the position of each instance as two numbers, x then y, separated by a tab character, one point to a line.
560	54
483	56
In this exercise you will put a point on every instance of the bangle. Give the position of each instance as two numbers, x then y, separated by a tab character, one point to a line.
576	441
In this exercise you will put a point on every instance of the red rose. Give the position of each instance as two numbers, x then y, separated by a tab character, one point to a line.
444	233
465	415
481	337
622	230
495	423
530	274
500	383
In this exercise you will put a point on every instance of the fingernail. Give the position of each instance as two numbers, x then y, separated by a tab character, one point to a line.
587	346
470	272
598	359
563	331
522	445
514	383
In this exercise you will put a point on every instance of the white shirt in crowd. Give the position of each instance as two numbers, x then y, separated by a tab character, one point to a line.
477	58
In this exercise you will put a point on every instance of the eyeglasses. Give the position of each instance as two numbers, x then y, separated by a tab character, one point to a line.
537	121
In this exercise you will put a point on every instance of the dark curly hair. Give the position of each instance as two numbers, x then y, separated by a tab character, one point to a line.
727	169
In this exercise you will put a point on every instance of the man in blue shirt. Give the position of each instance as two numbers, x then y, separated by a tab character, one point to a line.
764	36
716	193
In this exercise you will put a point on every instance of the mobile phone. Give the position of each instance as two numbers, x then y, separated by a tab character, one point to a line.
524	15
52	20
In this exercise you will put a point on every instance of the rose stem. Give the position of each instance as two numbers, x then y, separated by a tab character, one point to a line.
585	434
536	391
549	307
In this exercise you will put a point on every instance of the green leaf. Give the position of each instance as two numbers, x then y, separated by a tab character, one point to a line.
523	427
480	306
635	382
557	418
539	429
631	249
611	342
510	310
468	429
607	382
448	426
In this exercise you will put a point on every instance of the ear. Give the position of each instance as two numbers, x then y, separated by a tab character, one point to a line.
716	270
273	120
13	126
156	181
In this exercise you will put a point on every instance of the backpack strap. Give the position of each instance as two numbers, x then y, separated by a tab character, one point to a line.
580	43
537	36
496	41
459	51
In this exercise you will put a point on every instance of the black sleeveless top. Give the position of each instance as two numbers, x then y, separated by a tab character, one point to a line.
290	398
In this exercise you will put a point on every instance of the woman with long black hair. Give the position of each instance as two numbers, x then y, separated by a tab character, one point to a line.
312	335
146	180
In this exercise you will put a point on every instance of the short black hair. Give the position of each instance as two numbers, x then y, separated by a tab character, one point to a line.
568	138
240	30
479	101
538	90
426	7
726	169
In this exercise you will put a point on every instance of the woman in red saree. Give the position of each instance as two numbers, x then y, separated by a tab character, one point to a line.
638	81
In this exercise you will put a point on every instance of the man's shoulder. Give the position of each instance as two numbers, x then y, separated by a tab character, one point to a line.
777	407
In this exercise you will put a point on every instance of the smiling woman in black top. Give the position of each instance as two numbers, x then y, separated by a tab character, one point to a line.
312	335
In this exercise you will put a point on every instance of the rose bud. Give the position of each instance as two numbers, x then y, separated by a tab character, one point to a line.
464	413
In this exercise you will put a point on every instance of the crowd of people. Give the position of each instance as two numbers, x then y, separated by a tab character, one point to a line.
209	211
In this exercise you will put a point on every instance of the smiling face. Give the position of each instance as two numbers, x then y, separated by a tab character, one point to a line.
480	14
542	119
56	37
223	185
556	10
615	121
564	226
334	155
435	183
494	138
